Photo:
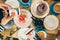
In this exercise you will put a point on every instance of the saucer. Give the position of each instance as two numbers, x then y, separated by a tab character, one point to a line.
12	3
51	22
52	8
25	5
34	9
22	33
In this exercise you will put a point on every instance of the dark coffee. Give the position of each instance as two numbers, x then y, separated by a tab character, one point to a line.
25	1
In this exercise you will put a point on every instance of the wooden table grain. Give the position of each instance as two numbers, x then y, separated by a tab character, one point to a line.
51	35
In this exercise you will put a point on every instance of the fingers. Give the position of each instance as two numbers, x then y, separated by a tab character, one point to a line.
5	5
5	20
12	15
5	14
4	11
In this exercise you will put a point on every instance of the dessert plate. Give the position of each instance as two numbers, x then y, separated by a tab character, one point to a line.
23	34
23	19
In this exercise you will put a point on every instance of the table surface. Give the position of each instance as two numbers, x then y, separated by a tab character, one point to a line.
50	34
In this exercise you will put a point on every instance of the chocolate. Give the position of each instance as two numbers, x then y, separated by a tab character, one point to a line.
25	1
41	8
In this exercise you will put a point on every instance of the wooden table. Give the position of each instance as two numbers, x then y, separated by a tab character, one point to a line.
50	34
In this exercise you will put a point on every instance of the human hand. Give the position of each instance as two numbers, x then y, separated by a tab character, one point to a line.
6	18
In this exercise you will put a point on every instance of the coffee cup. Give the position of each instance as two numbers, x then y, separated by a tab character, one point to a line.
25	3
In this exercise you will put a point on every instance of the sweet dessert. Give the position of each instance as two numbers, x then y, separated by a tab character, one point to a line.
22	18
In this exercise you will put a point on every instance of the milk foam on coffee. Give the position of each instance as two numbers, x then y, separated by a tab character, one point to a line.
41	8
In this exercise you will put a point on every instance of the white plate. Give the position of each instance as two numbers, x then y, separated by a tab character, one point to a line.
51	22
34	8
27	12
29	20
12	3
21	33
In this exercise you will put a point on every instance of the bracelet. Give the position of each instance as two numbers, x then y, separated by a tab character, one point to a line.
7	26
2	28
